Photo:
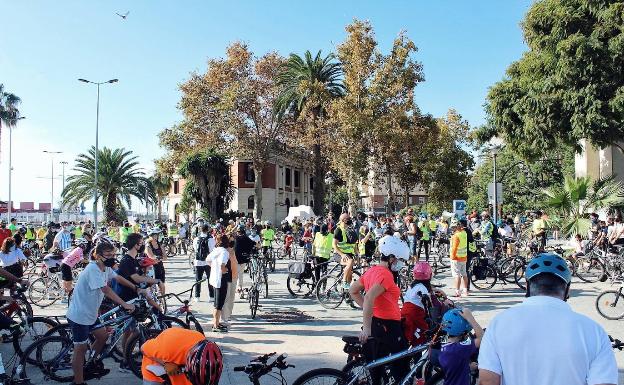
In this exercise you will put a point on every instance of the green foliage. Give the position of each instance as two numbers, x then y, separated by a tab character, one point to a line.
581	196
568	86
9	112
188	203
119	179
209	171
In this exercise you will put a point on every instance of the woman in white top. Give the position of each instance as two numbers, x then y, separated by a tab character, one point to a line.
12	257
221	273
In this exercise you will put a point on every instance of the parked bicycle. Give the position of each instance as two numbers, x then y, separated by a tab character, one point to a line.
610	303
330	289
259	283
260	367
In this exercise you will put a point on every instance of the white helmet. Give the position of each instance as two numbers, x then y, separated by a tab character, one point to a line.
154	230
102	238
389	245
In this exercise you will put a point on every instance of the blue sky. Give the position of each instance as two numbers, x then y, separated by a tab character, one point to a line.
465	46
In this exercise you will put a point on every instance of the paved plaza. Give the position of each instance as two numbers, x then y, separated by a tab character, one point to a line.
314	340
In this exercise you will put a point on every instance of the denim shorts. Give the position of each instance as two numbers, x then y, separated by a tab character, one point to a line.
80	333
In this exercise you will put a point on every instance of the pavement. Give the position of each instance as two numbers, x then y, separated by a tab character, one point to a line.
310	334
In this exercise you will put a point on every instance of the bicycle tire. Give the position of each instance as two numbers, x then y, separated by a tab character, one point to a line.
488	282
356	276
52	292
308	378
616	296
58	365
266	284
352	368
519	278
589	269
300	287
170	322
254	297
329	293
133	354
32	333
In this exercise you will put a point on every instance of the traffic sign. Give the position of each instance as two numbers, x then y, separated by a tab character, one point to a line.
499	193
459	207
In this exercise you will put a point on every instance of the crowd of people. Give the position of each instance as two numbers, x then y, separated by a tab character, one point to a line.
223	249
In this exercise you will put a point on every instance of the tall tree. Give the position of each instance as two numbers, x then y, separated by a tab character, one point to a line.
160	186
308	85
119	179
209	173
230	108
9	112
568	86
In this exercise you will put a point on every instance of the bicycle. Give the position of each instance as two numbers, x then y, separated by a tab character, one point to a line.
270	256
169	246
330	291
260	367
301	279
185	309
259	283
607	303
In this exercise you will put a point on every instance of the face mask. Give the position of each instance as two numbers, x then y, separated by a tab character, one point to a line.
349	222
398	265
109	262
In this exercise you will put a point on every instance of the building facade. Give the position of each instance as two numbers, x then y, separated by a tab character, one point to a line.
374	195
600	163
285	183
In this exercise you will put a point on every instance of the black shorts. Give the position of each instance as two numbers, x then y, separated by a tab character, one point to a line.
159	271
66	273
15	269
220	294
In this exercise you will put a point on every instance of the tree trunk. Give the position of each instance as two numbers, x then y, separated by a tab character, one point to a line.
258	192
159	207
319	181
110	208
213	208
406	197
352	193
390	205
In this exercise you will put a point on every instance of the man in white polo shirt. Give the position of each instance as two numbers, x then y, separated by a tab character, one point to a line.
542	341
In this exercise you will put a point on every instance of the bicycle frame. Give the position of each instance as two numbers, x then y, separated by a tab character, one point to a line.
394	357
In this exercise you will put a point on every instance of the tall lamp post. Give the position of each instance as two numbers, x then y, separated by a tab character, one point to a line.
494	150
52	153
9	206
63	176
97	124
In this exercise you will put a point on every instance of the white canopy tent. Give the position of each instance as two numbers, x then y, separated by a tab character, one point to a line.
302	212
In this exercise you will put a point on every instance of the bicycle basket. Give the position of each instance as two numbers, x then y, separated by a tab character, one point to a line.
297	269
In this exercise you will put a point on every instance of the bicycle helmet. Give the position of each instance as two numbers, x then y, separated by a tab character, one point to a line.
154	230
454	324
392	246
422	271
104	239
548	263
80	242
147	262
204	363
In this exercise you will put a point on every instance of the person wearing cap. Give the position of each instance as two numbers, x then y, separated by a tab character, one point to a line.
542	341
459	258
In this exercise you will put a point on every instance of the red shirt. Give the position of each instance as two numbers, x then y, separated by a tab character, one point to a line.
4	234
386	305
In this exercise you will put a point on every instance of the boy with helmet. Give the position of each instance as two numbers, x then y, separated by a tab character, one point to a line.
186	356
555	345
456	353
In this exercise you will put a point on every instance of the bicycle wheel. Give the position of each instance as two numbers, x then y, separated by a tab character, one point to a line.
519	276
356	276
610	304
133	354
54	354
322	376
589	269
356	368
300	287
44	292
488	281
254	297
506	268
329	291
173	322
271	261
34	329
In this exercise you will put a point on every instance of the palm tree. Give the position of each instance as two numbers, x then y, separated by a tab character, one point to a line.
308	85
9	113
160	185
119	179
581	196
209	172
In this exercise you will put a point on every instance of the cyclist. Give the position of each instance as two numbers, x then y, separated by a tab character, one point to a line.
124	231
4	232
91	287
62	240
186	357
539	229
12	257
268	235
69	261
555	345
321	250
381	313
455	355
243	248
345	242
154	250
203	244
425	237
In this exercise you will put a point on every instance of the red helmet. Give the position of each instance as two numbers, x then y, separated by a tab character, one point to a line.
422	271
147	262
204	363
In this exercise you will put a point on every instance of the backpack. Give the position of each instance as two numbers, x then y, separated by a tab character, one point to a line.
202	249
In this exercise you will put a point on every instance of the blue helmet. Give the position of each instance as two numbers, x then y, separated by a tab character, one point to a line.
548	263
454	324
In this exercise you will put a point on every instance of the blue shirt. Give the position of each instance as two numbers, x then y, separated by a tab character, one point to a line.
455	362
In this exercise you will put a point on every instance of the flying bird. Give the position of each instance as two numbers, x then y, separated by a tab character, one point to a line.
123	16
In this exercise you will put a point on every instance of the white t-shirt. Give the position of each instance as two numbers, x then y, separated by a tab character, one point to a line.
411	295
211	246
217	257
87	296
505	231
543	342
14	256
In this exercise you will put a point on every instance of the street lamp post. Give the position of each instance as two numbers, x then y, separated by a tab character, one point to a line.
63	163
97	124
52	153
10	204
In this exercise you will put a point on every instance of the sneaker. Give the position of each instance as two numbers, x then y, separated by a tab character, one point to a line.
124	367
195	299
95	370
219	329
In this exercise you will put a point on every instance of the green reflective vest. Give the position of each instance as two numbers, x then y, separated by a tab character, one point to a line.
462	248
78	232
123	234
268	235
344	245
30	235
424	228
172	231
323	245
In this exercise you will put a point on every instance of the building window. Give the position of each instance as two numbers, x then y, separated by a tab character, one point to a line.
250	202
296	179
421	200
311	183
287	177
287	203
176	187
296	202
250	177
312	203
